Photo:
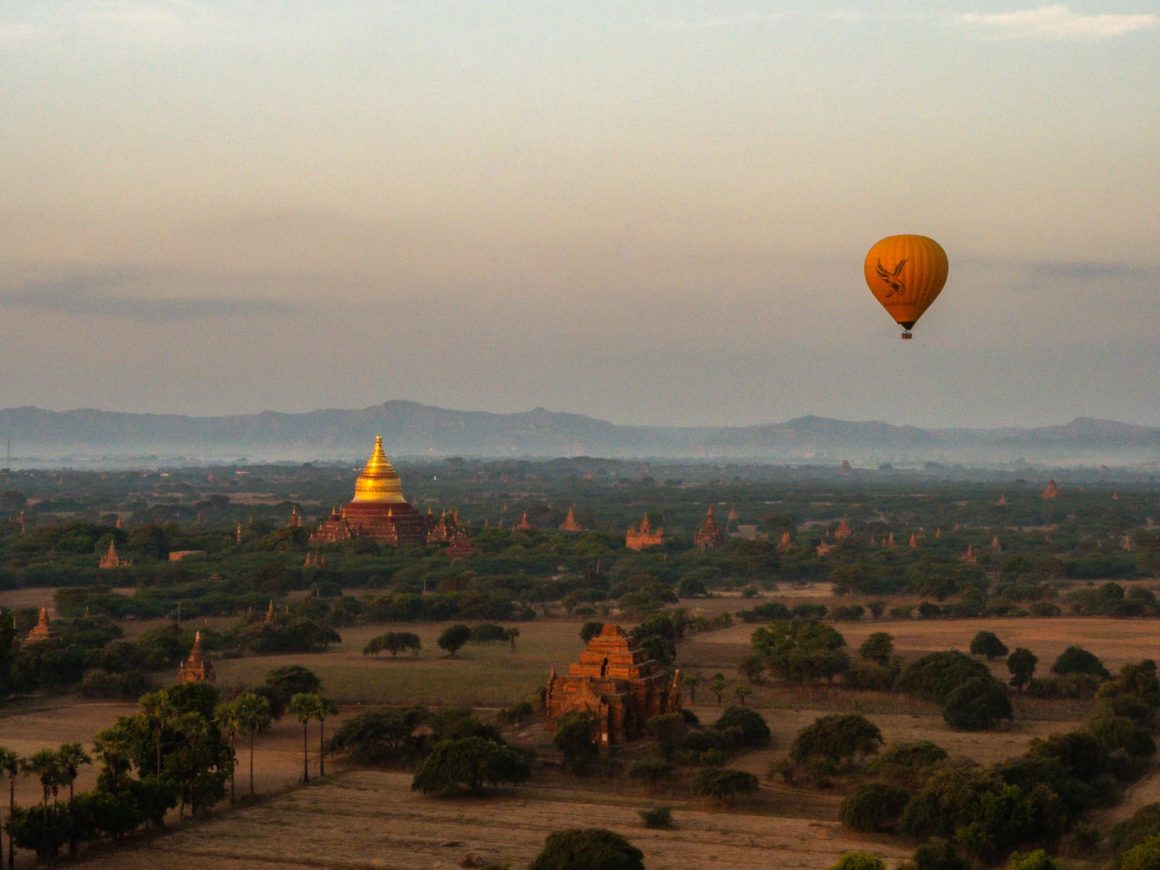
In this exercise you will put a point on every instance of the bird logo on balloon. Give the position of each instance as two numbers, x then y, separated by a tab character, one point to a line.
894	279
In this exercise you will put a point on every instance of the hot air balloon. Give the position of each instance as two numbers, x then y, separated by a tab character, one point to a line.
906	274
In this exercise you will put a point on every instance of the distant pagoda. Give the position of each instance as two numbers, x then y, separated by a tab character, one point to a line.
644	536
112	559
709	536
1050	491
197	668
43	630
571	524
378	511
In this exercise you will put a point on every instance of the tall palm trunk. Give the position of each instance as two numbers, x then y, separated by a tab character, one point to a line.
322	747
251	761
305	755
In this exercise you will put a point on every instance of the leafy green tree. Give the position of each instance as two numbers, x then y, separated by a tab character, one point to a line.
669	729
394	642
718	685
588	849
652	772
878	648
873	806
1077	660
1021	663
1143	856
1037	860
454	637
227	720
511	633
986	643
749	725
858	861
723	783
10	767
801	651
936	675
938	854
381	736
839	737
590	630
574	739
471	763
283	683
978	704
903	763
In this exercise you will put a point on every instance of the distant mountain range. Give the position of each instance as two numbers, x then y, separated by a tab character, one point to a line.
87	437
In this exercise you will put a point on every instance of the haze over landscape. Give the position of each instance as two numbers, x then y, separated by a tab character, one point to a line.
653	214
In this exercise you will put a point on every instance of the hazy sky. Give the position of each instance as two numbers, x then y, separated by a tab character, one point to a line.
650	212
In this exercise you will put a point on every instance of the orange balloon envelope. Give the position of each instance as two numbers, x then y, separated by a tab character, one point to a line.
906	274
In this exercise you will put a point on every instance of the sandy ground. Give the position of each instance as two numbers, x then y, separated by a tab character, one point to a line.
368	819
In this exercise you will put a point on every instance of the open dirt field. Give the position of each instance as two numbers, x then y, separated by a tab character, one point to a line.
372	819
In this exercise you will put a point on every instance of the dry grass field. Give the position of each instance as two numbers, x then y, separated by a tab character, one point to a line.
372	819
368	819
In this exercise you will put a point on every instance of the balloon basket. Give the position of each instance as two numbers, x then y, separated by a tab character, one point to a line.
907	336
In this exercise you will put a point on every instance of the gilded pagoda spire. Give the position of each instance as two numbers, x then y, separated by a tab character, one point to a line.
379	482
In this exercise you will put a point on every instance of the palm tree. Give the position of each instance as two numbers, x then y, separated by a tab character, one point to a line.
692	680
71	757
156	713
325	708
45	765
305	707
10	765
112	747
227	717
253	715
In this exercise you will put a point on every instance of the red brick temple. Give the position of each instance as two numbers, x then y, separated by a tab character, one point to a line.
709	536
640	537
571	524
618	684
197	668
378	511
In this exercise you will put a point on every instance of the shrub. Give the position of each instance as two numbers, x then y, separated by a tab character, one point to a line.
1144	856
859	861
985	643
588	849
657	817
1037	860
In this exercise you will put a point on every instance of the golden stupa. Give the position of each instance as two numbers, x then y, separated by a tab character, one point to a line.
378	511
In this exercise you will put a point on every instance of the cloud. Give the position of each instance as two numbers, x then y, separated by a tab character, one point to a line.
95	294
1058	21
